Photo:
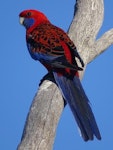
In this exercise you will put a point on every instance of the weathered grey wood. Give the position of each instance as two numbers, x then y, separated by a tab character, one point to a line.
86	24
47	106
101	45
42	119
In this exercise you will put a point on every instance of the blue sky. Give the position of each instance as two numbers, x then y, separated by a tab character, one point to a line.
20	76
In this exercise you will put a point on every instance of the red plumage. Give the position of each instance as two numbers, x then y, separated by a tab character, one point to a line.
48	39
56	51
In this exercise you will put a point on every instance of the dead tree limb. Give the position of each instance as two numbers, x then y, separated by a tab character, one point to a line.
47	106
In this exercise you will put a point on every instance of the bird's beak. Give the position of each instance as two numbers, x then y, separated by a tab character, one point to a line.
22	20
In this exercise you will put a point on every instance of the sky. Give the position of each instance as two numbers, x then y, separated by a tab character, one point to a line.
20	76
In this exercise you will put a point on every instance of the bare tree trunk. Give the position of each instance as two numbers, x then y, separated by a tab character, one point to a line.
47	106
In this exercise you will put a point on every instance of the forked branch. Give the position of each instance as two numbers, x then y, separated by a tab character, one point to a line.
47	106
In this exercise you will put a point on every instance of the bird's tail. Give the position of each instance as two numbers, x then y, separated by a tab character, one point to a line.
75	96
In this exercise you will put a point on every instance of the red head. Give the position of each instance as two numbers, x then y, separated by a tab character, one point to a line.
31	18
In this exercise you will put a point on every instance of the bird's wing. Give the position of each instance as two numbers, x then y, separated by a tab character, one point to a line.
50	44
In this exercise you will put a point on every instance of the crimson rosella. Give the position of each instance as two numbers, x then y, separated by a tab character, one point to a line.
53	48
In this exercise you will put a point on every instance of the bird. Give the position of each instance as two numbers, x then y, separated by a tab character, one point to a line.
53	48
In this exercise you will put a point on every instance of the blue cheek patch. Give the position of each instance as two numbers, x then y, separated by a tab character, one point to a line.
28	22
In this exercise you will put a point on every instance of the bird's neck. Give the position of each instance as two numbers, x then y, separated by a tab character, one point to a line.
36	24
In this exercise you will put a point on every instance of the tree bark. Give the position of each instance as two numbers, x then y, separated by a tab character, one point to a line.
47	106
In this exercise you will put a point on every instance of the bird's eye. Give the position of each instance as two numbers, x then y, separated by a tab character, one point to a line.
28	14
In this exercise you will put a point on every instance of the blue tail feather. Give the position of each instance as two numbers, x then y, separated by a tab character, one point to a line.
75	96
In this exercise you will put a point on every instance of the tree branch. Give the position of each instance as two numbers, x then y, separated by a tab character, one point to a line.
101	45
42	119
85	25
47	106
